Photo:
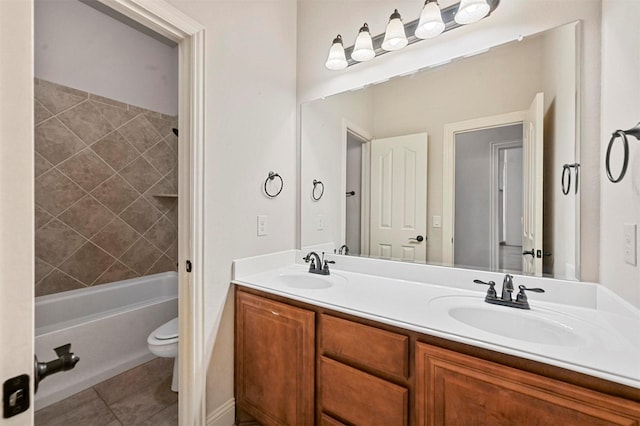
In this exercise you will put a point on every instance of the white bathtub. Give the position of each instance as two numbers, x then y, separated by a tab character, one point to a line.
107	327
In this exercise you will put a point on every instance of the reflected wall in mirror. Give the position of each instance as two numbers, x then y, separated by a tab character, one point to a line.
430	160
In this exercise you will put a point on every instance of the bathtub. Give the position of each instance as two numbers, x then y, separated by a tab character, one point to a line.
107	327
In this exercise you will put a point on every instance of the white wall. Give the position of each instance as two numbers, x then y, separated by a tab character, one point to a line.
512	218
353	235
250	109
80	47
322	138
319	22
620	110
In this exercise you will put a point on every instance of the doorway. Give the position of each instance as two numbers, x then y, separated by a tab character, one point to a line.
171	23
353	193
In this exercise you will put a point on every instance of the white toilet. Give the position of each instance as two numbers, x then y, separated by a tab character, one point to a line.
163	342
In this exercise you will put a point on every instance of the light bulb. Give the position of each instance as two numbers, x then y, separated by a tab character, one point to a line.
363	47
336	59
430	24
471	11
394	38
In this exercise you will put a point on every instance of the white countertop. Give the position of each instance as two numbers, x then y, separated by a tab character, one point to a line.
603	337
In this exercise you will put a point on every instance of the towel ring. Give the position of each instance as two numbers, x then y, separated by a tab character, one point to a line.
566	177
272	176
622	134
317	183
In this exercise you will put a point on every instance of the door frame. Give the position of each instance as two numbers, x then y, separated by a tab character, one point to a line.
449	171
493	198
358	131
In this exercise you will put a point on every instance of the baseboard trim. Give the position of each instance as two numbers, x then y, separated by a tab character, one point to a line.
224	415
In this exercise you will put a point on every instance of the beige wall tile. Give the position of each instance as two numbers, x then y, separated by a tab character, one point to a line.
141	215
86	122
87	264
163	264
116	237
160	124
162	234
116	194
55	241
162	157
114	115
141	256
55	142
86	169
115	150
116	272
41	217
54	192
40	165
40	112
141	175
57	282
140	133
42	268
56	100
87	216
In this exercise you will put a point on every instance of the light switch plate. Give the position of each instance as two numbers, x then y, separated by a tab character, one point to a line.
630	243
320	223
262	225
437	221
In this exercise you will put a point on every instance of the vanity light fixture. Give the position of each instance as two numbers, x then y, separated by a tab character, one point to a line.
337	59
433	21
363	47
471	11
394	37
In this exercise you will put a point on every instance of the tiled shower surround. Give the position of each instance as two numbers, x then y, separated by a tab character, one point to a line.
100	166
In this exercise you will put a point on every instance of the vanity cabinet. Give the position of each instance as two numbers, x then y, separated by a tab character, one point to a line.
300	364
457	389
362	373
275	354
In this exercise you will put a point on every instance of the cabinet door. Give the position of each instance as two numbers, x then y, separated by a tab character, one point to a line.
275	349
456	389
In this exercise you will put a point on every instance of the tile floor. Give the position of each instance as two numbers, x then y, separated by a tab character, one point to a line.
140	396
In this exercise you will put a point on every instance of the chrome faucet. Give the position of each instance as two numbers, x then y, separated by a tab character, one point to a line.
317	266
507	287
344	249
505	299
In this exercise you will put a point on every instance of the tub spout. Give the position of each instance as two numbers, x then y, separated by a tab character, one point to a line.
66	361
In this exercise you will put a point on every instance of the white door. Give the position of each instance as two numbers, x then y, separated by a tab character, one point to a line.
399	198
16	200
532	145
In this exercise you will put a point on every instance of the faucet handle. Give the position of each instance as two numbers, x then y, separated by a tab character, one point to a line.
522	297
491	292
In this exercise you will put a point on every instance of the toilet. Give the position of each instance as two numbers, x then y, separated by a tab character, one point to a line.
163	342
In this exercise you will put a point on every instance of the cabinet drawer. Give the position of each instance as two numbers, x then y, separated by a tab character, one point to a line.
364	345
360	398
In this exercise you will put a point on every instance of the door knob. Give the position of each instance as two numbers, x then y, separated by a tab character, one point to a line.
419	239
529	252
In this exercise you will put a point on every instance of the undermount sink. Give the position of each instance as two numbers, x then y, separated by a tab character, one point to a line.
308	281
539	326
518	325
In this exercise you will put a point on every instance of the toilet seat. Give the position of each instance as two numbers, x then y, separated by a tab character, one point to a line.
167	331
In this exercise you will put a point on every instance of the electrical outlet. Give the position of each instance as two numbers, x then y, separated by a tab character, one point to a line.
262	225
320	223
630	243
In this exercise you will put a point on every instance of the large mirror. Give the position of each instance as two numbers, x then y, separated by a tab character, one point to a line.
459	164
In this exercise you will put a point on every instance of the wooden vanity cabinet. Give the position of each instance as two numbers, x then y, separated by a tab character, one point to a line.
362	373
457	389
299	364
275	356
